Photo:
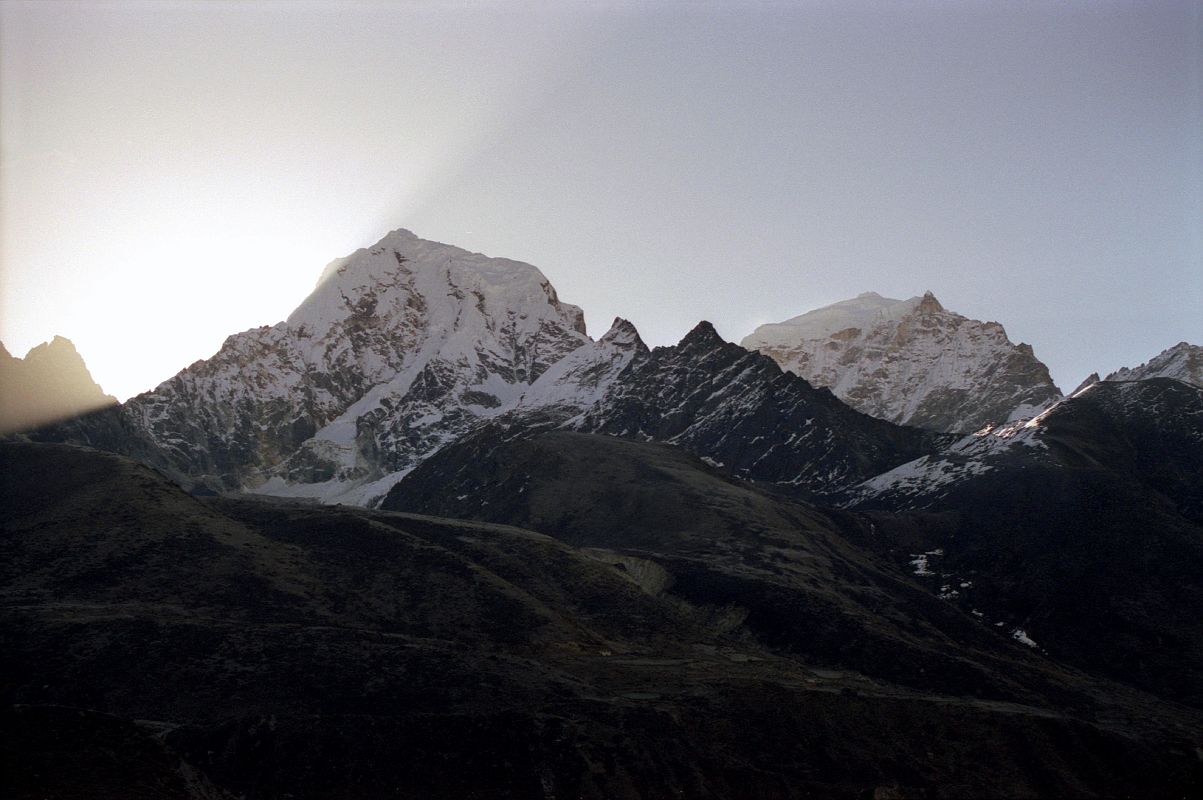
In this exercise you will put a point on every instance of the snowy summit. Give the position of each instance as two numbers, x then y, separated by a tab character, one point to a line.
912	362
400	348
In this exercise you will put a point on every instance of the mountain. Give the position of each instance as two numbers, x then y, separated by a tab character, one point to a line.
601	570
1183	362
706	644
407	346
1080	531
741	411
911	362
51	383
401	348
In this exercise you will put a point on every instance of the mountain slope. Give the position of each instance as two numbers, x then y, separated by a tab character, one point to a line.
287	649
580	380
777	568
1082	529
911	362
51	383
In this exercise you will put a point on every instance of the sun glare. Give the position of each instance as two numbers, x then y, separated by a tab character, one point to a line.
148	237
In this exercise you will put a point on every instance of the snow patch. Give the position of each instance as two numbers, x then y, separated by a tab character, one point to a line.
1021	636
921	561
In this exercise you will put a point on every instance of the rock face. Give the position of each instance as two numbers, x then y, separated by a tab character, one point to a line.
911	362
1090	380
1183	362
740	410
399	349
51	383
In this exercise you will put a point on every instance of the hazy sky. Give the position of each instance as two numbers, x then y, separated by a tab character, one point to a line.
176	172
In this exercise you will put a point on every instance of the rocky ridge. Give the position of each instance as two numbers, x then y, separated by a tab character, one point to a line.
1183	362
1136	428
742	412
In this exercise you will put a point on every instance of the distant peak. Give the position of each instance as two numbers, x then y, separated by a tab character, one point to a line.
621	325
1086	384
63	342
702	334
868	296
56	346
1183	361
929	304
622	332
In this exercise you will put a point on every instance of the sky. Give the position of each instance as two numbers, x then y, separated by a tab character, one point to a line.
175	172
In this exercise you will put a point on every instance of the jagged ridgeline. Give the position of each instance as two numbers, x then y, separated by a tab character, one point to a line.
409	345
406	346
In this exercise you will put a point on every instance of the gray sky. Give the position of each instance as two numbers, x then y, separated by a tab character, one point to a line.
176	172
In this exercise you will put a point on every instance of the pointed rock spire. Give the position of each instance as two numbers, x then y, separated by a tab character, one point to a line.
702	335
623	333
929	304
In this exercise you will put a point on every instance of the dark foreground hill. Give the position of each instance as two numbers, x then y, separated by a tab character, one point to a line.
153	644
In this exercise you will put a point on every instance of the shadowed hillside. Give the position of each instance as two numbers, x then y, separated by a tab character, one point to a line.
263	649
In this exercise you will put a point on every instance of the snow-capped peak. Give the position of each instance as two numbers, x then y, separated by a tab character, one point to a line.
863	311
403	272
622	333
401	347
911	362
